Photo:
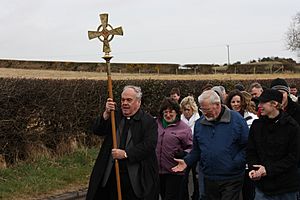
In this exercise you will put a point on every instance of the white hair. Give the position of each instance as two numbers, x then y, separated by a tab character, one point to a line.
137	90
210	95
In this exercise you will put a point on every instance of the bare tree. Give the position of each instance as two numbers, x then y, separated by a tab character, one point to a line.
293	34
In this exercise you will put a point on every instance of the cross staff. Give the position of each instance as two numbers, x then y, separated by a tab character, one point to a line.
105	33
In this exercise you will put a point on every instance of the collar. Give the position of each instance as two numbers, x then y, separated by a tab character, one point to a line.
137	116
224	118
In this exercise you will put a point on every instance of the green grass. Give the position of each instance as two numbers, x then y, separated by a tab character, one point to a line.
47	175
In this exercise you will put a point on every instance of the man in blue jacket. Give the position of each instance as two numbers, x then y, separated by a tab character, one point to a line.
219	143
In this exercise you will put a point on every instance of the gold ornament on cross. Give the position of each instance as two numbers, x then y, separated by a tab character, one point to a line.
105	33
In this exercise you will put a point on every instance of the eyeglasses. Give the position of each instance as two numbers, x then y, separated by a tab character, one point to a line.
170	112
205	110
186	109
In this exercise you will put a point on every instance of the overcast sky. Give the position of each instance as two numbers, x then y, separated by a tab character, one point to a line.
155	31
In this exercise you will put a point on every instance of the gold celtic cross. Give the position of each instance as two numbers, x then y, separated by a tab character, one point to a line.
105	33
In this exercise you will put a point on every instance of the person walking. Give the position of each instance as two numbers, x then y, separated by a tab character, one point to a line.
273	150
219	144
174	141
137	139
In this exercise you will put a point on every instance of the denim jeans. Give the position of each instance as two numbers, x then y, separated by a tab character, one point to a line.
259	195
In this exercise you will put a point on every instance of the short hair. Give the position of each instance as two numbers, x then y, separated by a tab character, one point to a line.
208	86
211	95
137	90
189	100
169	103
223	89
175	91
219	92
293	85
278	106
255	85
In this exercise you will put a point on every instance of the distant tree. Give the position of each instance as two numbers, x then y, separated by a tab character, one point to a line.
266	59
237	63
293	35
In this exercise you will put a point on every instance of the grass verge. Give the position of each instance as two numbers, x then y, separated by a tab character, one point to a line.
47	176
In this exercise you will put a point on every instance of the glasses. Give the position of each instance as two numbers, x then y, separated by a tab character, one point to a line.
170	112
186	109
205	110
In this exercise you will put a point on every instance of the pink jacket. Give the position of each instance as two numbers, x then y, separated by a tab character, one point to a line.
171	140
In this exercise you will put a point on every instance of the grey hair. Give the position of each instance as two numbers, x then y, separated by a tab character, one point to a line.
219	92
255	85
223	90
210	95
137	90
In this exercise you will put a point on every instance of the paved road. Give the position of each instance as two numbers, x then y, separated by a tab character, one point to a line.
80	195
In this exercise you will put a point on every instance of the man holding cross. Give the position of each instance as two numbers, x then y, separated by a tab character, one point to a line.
137	138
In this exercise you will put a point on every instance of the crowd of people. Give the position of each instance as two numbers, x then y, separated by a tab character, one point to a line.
238	145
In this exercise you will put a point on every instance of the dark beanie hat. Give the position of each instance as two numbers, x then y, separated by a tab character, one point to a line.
239	87
280	84
270	95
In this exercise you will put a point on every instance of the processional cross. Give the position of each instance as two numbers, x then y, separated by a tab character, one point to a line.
105	33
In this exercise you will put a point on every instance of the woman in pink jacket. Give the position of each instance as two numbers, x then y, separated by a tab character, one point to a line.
174	141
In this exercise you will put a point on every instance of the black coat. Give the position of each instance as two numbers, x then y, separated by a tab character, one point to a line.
293	109
140	148
275	144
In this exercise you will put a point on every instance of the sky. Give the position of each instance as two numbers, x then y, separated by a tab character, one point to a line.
156	31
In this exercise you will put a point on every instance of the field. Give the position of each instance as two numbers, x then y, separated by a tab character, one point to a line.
53	74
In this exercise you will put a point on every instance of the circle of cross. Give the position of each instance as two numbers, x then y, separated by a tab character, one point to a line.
105	33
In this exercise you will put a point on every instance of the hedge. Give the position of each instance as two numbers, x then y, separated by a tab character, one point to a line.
41	116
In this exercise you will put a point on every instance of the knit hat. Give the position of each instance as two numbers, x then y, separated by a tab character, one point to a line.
270	95
280	84
239	87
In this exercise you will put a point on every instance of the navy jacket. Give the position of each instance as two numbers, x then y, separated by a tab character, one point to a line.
220	146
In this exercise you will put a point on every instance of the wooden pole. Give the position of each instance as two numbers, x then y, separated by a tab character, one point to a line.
107	58
106	35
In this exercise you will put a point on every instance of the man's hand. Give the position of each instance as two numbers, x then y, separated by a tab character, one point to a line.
258	173
109	106
118	154
180	167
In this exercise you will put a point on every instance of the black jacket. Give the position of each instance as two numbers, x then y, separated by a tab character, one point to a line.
293	109
140	148
275	144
